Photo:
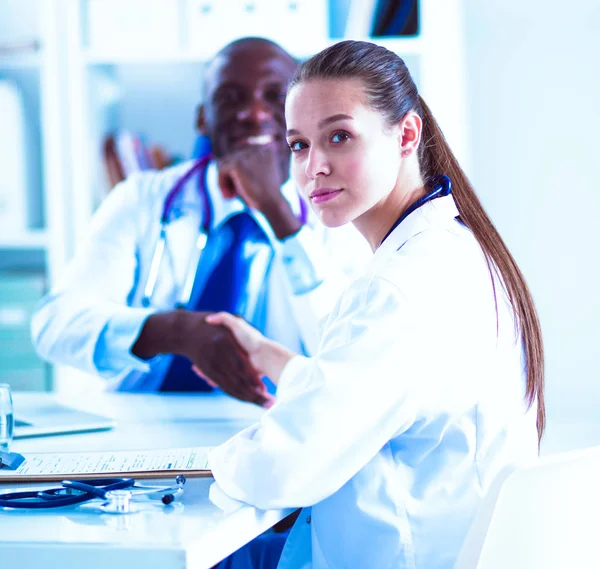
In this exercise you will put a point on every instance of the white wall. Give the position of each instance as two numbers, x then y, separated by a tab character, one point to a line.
534	113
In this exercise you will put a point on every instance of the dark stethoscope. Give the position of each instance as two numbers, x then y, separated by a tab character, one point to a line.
117	493
199	168
442	186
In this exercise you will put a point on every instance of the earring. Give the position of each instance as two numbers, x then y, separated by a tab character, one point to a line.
405	152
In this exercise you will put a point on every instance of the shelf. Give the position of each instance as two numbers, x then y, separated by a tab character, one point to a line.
93	57
33	239
400	45
21	61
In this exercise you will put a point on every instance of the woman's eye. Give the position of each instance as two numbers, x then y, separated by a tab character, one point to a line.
339	137
297	145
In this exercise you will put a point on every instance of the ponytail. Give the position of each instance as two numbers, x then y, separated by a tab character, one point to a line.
437	158
389	89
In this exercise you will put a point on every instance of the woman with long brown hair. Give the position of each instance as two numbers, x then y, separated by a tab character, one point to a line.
428	381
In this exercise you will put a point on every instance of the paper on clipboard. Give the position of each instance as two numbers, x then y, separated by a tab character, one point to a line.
50	467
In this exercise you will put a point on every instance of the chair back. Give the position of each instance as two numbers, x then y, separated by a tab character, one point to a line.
543	516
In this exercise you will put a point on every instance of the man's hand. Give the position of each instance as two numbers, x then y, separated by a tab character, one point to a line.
254	175
217	357
267	357
213	350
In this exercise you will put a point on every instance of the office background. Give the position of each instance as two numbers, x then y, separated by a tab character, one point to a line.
514	87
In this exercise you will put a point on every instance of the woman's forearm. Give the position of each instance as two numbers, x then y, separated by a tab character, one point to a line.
271	358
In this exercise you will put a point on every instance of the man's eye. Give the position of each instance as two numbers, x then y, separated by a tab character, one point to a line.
297	145
226	97
340	137
275	96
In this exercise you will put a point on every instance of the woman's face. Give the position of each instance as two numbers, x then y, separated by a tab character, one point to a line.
344	158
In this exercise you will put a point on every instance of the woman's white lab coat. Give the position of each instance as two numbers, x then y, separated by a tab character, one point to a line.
392	433
91	319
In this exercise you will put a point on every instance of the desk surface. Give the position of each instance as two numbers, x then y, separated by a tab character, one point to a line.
191	533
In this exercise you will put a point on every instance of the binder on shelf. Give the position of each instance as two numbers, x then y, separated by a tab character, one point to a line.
382	18
125	153
395	18
139	464
360	19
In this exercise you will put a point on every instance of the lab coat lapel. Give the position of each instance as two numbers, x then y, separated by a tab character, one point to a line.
182	234
439	211
181	239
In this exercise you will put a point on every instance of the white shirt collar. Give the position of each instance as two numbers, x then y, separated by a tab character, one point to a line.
221	208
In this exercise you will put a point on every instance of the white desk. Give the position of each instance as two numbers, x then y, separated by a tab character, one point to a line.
193	533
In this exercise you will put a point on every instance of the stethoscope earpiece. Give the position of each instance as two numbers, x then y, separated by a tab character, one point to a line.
167	499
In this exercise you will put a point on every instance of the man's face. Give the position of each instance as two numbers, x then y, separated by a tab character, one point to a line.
245	95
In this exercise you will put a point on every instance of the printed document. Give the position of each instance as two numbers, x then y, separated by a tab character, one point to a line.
102	463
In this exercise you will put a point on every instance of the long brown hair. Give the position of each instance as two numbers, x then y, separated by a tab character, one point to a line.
389	89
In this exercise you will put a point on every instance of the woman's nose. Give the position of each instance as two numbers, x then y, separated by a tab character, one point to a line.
317	164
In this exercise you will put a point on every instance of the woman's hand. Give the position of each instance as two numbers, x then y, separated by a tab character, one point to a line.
266	357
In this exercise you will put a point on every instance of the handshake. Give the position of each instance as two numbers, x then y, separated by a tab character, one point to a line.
223	349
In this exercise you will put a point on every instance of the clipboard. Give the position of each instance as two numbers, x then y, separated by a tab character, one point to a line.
139	464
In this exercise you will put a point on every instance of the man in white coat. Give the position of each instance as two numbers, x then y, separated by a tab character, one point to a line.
132	303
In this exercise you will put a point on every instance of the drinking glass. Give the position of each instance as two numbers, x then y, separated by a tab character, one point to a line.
6	417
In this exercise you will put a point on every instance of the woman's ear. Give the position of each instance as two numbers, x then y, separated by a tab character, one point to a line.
201	120
411	129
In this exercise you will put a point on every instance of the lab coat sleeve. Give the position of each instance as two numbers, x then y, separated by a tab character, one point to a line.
85	321
320	263
335	411
305	260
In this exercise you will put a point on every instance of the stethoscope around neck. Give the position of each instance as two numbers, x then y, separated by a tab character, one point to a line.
442	186
165	218
199	169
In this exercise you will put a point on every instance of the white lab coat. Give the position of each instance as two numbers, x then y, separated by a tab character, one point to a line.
390	435
93	316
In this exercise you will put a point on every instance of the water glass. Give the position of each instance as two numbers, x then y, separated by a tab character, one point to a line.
6	417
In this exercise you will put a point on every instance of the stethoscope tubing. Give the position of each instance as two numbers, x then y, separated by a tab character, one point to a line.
99	491
198	168
442	186
31	501
96	488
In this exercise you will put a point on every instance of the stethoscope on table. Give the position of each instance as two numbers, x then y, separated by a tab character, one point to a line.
118	494
199	168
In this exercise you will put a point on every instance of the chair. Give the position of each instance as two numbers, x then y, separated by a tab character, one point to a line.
544	516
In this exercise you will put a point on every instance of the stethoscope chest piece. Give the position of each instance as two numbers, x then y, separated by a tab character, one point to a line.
118	502
117	495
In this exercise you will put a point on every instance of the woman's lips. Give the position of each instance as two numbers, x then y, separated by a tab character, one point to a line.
324	195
